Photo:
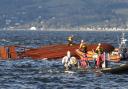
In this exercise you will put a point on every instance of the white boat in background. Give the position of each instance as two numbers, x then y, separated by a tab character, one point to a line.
122	44
123	51
33	28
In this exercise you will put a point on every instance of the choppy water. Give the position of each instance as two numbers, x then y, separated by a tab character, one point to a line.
43	74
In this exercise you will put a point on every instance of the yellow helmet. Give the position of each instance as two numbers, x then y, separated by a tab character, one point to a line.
84	46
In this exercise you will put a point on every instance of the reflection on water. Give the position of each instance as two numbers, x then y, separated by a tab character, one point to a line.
43	74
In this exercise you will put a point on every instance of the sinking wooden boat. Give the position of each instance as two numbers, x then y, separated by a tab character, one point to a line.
46	52
60	50
8	52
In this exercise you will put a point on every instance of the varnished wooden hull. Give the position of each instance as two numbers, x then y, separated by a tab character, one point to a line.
60	50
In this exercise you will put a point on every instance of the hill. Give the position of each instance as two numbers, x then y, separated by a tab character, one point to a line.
58	13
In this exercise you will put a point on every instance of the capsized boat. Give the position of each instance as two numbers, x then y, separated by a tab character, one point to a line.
46	52
60	50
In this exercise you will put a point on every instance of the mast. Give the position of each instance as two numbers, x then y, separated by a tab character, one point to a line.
122	44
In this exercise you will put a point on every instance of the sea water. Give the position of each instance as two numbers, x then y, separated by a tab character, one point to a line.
43	74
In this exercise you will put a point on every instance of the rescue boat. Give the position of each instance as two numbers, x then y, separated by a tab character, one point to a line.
116	69
110	56
122	68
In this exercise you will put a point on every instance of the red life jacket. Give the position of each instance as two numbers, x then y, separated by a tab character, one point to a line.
83	61
99	61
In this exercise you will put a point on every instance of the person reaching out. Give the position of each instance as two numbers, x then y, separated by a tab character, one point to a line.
83	47
82	53
98	47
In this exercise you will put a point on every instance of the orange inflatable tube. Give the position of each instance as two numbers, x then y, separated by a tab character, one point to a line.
114	58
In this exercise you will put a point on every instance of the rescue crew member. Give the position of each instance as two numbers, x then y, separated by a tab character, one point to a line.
98	47
100	57
70	40
83	46
95	56
83	57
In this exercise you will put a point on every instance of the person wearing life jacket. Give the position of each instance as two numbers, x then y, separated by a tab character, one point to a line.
105	60
99	59
82	53
81	44
83	47
98	47
69	61
99	53
70	40
95	56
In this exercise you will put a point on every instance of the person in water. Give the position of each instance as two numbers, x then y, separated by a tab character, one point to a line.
100	58
82	53
70	40
69	62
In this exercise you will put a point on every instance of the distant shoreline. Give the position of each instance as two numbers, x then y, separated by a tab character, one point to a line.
65	29
89	30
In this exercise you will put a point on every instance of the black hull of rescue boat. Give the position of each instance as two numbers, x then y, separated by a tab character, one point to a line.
123	68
